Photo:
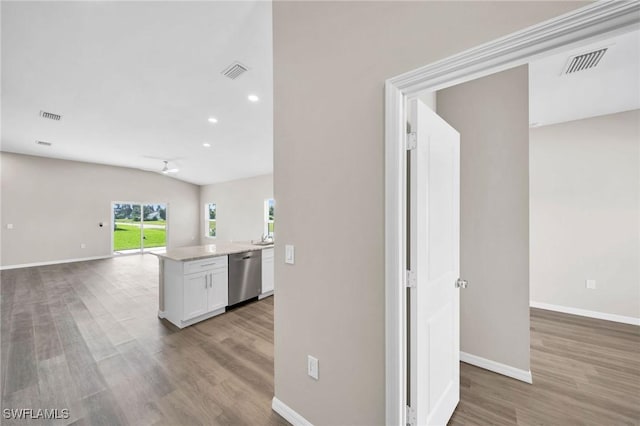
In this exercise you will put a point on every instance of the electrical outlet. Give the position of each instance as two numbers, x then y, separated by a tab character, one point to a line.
9	225
312	367
83	245
590	284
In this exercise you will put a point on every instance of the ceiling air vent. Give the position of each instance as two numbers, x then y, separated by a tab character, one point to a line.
43	143
50	115
235	70
584	61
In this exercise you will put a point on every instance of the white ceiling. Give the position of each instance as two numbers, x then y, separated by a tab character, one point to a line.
135	80
612	86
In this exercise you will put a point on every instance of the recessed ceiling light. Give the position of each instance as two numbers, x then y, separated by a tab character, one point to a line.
253	98
206	145
213	120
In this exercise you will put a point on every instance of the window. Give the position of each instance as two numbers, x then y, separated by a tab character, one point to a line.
269	209
210	213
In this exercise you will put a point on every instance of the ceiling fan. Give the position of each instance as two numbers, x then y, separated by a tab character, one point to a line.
166	170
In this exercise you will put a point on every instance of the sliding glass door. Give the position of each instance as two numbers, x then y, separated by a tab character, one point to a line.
139	227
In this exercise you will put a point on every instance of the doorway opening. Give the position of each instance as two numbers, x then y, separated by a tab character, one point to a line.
593	22
138	227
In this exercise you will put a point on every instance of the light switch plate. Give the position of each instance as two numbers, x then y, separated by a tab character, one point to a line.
9	225
289	254
590	284
312	367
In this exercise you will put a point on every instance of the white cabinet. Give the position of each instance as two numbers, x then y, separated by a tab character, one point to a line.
267	272
218	296
196	287
195	290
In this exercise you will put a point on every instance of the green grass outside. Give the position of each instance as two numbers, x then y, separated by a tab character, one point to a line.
128	238
212	228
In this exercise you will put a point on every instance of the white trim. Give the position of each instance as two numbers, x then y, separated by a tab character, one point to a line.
161	314
197	319
265	294
395	255
53	262
594	21
586	313
497	367
288	414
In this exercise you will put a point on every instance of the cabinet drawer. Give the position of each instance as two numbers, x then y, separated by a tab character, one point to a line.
205	264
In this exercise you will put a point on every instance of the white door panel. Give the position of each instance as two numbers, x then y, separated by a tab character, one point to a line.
195	295
434	234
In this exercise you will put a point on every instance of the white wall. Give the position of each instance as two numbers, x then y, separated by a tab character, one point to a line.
330	63
492	116
585	214
56	205
239	208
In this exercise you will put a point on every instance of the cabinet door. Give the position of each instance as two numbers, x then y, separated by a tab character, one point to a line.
219	290
267	271
196	288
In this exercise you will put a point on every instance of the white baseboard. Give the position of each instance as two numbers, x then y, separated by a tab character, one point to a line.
497	367
53	262
288	414
161	314
265	295
586	313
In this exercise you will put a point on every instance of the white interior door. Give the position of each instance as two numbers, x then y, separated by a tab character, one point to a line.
434	257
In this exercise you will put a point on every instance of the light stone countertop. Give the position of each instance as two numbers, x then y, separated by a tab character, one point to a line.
184	254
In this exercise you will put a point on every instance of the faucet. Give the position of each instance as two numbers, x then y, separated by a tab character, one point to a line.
265	237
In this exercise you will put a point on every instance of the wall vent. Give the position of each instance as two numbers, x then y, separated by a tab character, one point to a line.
43	143
584	61
235	70
50	115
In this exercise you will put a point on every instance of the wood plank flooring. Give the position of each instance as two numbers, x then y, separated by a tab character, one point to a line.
86	337
585	372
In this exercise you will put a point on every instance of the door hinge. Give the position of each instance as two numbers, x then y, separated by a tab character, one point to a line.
411	141
410	279
411	416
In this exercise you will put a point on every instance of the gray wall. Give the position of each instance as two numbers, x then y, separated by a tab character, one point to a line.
55	205
331	60
585	214
239	208
492	116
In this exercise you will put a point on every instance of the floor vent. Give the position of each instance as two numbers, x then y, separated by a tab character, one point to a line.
235	70
584	61
50	115
43	143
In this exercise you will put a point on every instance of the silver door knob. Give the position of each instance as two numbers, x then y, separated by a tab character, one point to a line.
460	283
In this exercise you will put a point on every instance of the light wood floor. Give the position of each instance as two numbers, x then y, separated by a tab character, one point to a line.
85	336
585	372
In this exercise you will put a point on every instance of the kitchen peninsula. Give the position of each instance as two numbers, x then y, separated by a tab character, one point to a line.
199	282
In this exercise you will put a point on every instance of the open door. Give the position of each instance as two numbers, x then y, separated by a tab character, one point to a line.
434	261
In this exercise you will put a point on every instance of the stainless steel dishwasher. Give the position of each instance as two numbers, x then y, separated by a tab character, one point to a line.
245	276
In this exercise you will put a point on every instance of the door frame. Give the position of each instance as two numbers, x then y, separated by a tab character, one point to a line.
593	22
